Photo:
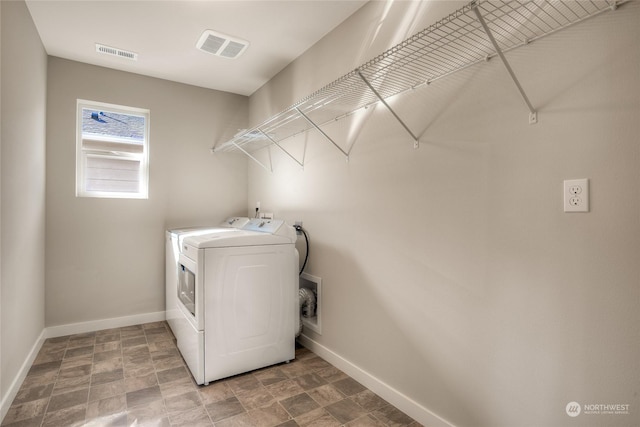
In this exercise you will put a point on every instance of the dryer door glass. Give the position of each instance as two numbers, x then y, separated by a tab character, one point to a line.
187	288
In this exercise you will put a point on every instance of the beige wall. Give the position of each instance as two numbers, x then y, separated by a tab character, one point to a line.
105	257
24	70
451	272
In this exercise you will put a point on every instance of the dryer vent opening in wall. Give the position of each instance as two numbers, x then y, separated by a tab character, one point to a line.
221	44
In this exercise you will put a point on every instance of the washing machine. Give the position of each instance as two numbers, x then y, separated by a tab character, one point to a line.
173	242
238	299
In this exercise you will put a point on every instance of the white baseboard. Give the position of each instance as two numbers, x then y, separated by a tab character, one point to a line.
96	325
382	389
70	329
13	389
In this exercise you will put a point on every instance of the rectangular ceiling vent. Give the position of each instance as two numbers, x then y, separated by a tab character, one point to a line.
221	44
114	51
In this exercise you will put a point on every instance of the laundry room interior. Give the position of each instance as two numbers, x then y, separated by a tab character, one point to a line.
436	227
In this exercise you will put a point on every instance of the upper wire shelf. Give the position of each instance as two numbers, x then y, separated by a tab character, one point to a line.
474	33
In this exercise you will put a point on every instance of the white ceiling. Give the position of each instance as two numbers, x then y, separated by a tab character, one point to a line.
164	35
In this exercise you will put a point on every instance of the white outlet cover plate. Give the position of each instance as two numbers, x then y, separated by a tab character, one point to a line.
576	195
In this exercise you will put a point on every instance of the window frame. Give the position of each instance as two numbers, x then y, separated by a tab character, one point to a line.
83	153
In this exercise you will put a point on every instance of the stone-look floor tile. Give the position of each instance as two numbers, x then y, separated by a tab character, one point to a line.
331	374
134	342
68	417
310	381
317	418
74	372
175	388
64	339
71	384
107	377
138	383
133	333
215	392
77	361
108	346
33	393
392	416
106	407
349	386
114	420
284	389
138	370
24	411
183	402
67	400
168	363
365	421
31	422
107	355
197	417
154	325
256	398
369	401
299	404
242	383
105	338
173	374
78	351
144	396
163	353
108	365
294	369
45	368
49	356
345	410
242	420
162	345
315	363
103	391
270	376
326	395
269	416
82	340
155	337
223	409
153	414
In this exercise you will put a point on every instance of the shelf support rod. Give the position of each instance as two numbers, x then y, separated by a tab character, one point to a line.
322	132
280	147
253	158
375	92
533	115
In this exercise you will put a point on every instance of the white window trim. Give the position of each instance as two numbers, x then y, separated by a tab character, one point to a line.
81	154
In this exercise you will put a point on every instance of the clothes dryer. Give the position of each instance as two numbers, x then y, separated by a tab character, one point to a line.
238	299
173	242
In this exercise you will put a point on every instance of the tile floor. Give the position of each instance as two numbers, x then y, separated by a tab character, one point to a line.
135	376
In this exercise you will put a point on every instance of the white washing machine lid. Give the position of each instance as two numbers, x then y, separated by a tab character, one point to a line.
256	233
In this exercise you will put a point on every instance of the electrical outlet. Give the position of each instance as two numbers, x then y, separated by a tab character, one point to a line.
576	195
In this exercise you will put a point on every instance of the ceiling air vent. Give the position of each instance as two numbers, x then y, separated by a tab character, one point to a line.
221	44
114	51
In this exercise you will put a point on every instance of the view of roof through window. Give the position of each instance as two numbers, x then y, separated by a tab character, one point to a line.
113	125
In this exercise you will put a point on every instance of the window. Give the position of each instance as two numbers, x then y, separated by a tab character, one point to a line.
112	151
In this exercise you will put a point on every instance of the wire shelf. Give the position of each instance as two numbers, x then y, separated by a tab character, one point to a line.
454	43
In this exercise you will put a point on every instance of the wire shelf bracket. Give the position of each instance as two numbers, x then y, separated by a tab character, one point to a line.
327	137
533	114
404	125
281	148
